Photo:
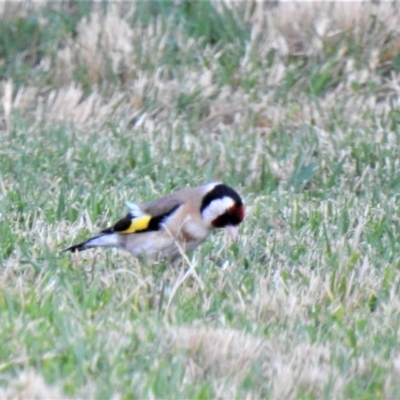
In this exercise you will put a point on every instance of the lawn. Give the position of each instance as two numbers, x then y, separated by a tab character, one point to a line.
295	105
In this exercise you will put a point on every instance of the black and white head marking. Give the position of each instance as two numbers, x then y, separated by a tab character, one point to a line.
222	206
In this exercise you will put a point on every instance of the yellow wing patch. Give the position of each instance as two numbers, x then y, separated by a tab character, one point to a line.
138	224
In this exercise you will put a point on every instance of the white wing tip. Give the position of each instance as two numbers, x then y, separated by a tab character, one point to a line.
135	210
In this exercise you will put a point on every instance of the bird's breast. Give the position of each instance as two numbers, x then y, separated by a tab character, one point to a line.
193	231
186	225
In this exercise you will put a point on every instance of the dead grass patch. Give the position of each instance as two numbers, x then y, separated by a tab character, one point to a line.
288	370
221	352
30	384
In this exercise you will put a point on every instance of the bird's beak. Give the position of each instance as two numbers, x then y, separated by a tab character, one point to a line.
232	231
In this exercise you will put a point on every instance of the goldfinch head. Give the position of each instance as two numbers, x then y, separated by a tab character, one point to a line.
222	207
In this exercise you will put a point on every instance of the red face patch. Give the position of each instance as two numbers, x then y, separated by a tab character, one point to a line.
239	212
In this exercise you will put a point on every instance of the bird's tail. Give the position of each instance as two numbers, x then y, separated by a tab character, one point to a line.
103	240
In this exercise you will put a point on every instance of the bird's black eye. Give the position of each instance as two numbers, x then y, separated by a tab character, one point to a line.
221	221
234	216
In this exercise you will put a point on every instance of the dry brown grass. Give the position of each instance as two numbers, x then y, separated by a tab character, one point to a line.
229	355
105	42
30	385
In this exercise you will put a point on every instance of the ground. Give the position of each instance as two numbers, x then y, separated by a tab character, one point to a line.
295	105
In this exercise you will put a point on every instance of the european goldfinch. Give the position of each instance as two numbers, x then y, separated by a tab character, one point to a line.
177	222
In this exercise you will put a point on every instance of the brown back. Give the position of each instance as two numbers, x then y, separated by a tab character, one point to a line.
163	205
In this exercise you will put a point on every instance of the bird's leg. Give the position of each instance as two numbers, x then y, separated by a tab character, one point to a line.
171	273
161	297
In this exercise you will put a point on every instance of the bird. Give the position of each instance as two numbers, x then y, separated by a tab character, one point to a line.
179	221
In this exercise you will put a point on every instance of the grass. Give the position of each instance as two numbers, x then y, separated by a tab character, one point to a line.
114	102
